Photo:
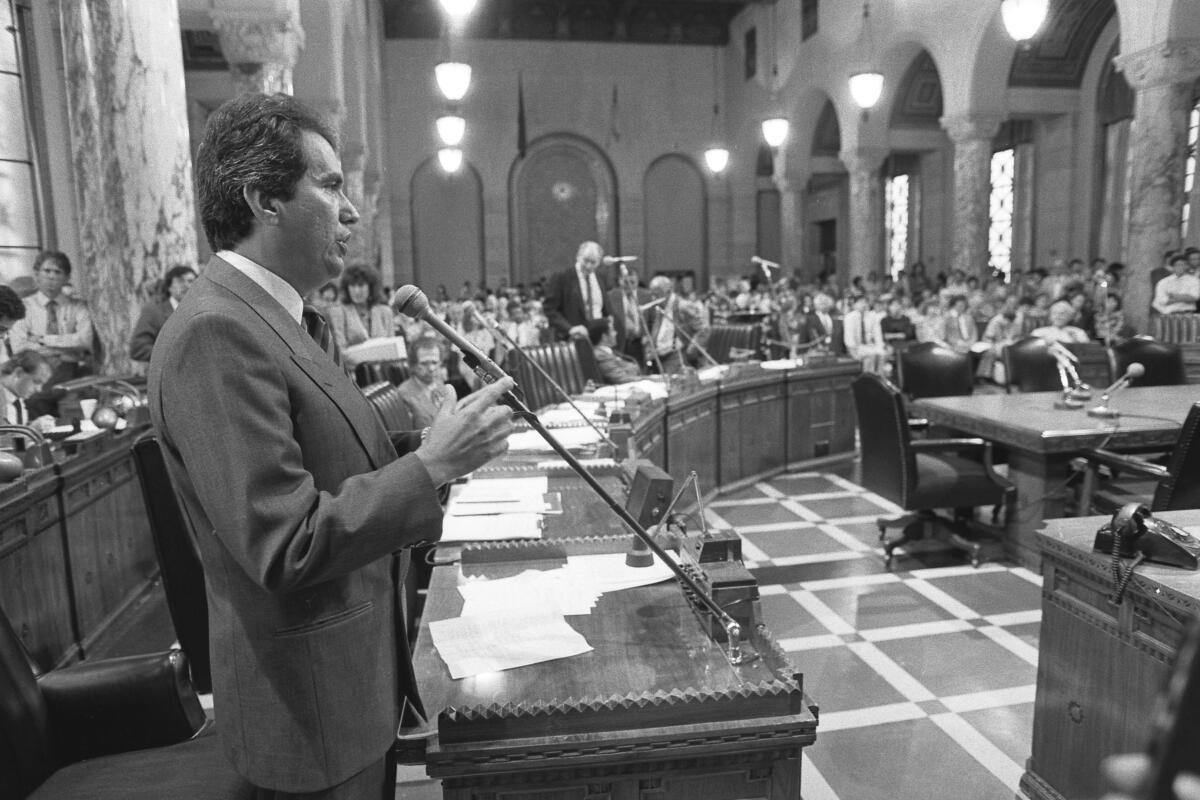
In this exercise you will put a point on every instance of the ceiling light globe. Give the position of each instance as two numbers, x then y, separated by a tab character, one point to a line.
775	131
453	78
451	159
866	88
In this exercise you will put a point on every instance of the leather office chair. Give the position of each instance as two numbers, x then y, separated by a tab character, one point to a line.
929	369
923	475
571	364
1163	361
1030	366
178	559
727	340
118	729
1172	487
385	398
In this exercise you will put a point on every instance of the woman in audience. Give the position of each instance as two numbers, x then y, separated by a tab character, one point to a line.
1060	328
362	314
1001	331
1110	324
959	330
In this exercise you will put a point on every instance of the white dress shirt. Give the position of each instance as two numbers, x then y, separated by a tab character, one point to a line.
283	292
1185	284
74	337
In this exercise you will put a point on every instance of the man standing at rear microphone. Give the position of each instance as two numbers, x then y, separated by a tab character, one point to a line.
576	296
296	495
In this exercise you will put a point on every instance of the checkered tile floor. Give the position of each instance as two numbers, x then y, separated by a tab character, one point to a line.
924	675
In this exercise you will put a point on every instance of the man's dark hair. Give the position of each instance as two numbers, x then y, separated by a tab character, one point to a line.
252	140
596	328
60	260
172	274
1178	258
11	305
30	361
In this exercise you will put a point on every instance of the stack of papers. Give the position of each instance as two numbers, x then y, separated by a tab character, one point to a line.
512	622
656	389
564	416
712	373
492	509
570	438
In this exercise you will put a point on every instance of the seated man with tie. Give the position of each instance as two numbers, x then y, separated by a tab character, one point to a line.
21	376
864	338
820	327
574	297
629	324
678	329
57	326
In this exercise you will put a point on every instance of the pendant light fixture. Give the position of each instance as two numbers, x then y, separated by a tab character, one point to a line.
774	128
450	158
866	85
451	129
1023	18
716	156
458	10
454	79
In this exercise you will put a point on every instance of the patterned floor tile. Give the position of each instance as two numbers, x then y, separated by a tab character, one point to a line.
763	514
1008	727
842	507
805	484
796	541
992	593
882	606
958	663
838	680
912	760
786	618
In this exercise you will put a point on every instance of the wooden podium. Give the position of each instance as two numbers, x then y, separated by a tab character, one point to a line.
654	711
1100	666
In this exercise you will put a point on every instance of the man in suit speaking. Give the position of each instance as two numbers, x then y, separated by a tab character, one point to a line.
297	496
575	297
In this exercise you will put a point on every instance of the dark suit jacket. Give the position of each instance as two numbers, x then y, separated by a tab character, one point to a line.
150	321
298	500
563	303
616	306
811	329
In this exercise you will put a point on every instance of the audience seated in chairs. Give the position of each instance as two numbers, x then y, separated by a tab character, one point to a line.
422	392
923	475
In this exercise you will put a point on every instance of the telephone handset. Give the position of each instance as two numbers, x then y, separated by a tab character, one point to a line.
1134	533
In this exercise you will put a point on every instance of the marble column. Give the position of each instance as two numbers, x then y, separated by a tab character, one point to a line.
131	159
791	215
973	144
866	211
260	44
362	187
1161	77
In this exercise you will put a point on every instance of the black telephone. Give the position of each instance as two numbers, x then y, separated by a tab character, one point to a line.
1134	533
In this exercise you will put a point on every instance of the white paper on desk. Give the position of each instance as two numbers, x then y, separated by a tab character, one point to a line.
609	573
780	363
530	593
656	389
532	441
586	463
487	490
567	417
714	372
491	527
473	645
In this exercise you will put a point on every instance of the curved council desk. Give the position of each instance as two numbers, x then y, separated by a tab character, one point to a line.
655	709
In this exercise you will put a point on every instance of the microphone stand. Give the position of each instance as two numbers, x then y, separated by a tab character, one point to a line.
775	314
733	631
541	371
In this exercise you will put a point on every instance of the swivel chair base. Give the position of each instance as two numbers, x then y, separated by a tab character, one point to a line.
956	532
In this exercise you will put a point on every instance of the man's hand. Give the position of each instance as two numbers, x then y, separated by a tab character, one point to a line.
578	332
468	434
43	423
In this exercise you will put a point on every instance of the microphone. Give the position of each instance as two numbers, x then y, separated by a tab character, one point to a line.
1104	411
412	302
762	262
618	259
652	304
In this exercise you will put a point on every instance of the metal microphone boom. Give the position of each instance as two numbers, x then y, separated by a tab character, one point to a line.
412	301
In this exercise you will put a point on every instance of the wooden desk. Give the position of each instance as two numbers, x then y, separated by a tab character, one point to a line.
655	710
1041	441
1100	666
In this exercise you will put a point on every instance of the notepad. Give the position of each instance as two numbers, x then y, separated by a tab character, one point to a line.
474	645
491	527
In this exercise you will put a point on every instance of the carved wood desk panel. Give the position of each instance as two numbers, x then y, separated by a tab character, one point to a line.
654	711
1100	666
1041	440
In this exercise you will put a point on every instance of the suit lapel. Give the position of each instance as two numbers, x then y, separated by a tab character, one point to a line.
306	354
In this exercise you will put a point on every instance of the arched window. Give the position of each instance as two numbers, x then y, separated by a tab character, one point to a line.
23	221
563	192
675	212
447	235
